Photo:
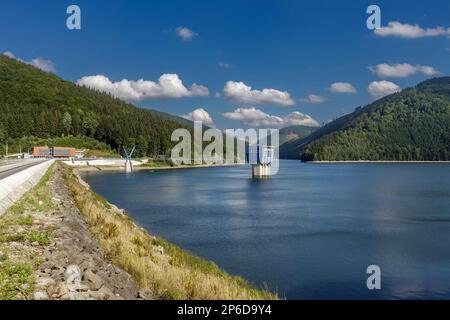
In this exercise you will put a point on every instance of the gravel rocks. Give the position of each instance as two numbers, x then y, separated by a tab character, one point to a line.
75	267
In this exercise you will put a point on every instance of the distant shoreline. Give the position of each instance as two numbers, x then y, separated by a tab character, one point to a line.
381	161
144	168
149	168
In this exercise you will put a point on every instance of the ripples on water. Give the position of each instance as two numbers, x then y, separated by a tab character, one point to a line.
309	232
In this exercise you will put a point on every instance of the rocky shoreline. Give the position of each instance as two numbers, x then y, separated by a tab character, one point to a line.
76	267
72	265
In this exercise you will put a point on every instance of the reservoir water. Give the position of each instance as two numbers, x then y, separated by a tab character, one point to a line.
309	232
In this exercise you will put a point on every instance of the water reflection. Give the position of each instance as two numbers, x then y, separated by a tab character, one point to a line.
310	231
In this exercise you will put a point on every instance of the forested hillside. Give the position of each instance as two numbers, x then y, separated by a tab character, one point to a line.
291	149
411	125
38	104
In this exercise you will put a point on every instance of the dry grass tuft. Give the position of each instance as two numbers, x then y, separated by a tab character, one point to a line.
167	270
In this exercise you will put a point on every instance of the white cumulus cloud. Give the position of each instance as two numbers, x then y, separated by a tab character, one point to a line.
313	99
428	71
43	64
402	70
40	63
199	90
167	86
342	87
241	92
199	114
404	30
186	34
379	89
9	54
258	118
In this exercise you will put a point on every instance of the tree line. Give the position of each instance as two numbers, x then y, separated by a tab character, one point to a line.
38	104
412	125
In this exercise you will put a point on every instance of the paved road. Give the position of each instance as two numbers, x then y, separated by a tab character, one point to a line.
7	170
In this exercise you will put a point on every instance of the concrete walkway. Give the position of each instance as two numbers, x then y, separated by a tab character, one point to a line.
12	168
18	178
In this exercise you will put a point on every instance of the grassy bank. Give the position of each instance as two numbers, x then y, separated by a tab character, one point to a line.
168	271
19	237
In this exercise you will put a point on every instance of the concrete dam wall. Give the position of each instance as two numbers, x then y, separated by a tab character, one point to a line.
14	186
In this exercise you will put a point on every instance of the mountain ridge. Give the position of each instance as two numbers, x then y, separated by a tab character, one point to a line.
34	103
410	125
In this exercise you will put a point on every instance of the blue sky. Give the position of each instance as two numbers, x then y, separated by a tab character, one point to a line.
292	49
